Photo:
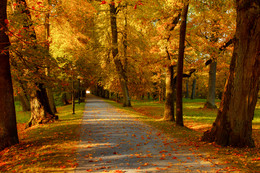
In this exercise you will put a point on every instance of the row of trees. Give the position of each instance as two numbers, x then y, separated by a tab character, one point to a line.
132	48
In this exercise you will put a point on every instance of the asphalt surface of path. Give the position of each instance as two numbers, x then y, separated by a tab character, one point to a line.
112	141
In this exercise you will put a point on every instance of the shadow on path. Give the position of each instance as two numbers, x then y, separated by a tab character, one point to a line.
112	141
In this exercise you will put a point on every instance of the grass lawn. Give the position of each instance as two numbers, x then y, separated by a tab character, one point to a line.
45	148
196	121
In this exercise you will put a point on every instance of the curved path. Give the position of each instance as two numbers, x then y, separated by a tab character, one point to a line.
112	141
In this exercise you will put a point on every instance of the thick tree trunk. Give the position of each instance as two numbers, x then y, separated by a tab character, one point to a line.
179	111
169	100
119	66
8	129
193	91
40	110
210	103
233	125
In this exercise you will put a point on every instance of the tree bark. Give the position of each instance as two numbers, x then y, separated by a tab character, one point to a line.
210	103
233	125
41	112
119	66
169	100
8	129
179	111
170	84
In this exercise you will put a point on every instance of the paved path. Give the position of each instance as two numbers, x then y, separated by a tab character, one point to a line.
112	141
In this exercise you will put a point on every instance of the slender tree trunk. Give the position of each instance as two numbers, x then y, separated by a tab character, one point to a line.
169	101
233	125
160	93
193	91
49	90
79	93
125	41
8	129
187	88
210	103
73	96
119	66
179	112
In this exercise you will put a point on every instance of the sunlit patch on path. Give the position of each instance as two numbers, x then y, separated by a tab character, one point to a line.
112	141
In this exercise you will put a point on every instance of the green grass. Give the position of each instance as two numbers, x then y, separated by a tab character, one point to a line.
21	117
48	147
192	110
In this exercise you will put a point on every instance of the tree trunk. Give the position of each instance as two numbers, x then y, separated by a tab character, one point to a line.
179	111
41	112
49	90
193	91
23	97
51	100
79	92
233	125
25	103
160	93
73	96
8	129
210	103
187	89
119	66
64	99
170	85
169	101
